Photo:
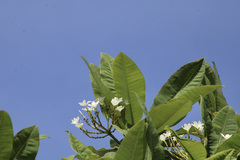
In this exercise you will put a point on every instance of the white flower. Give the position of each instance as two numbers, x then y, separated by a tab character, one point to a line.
93	105
79	125
198	125
162	137
187	126
75	120
226	136
168	134
84	103
115	101
174	138
119	108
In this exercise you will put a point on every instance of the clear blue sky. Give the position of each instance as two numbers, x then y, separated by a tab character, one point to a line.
43	78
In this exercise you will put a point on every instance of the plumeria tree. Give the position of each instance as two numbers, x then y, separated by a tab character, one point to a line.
119	88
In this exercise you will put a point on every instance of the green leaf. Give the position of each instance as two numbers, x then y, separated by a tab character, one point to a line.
215	100
108	156
102	89
43	136
128	79
220	155
225	122
194	149
185	78
134	144
6	136
152	135
79	147
72	157
113	144
194	93
238	122
209	133
230	156
26	143
102	151
169	114
123	131
231	143
96	91
148	154
106	71
220	99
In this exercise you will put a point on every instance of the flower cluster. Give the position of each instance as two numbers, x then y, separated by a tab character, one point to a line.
113	112
115	101
172	145
198	125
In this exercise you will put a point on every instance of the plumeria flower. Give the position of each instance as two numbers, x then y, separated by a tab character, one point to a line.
75	120
187	126
168	134
84	103
93	105
119	108
198	125
77	124
174	138
115	101
226	136
162	137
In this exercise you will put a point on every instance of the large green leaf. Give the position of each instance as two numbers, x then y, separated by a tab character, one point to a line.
185	78
209	133
80	148
238	122
134	144
106	71
225	122
102	89
129	79
220	99
231	143
26	143
96	90
6	136
194	149
194	93
169	114
148	154
215	100
152	135
220	155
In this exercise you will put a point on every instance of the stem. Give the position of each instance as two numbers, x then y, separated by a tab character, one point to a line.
114	138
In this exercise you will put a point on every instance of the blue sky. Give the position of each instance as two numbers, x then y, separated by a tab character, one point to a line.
43	78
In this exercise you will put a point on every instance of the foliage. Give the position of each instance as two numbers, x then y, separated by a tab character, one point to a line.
24	145
119	88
